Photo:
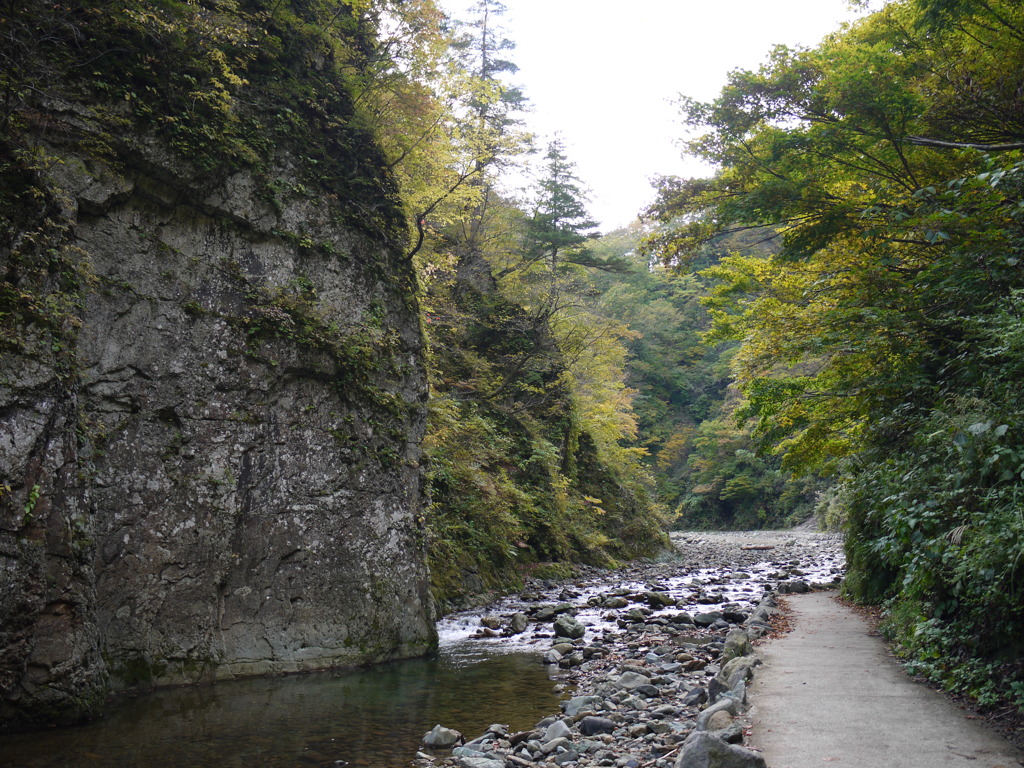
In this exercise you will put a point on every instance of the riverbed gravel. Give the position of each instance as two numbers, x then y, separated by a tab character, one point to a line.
653	659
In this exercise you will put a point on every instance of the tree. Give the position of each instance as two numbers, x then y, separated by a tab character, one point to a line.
887	160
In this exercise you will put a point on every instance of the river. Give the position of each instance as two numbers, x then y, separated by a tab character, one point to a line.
376	717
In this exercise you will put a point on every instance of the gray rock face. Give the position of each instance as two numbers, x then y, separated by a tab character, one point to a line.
226	482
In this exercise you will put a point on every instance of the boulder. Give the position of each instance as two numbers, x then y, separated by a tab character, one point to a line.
578	704
706	750
554	745
725	704
719	721
549	612
441	738
737	643
567	626
795	587
707	619
557	730
591	726
716	687
658	599
738	670
518	623
695	696
614	602
630	680
570	755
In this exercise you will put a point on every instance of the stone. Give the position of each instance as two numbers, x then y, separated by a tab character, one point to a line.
440	737
520	737
737	670
557	730
549	612
731	735
480	762
568	756
551	656
737	643
467	751
706	750
590	726
658	599
491	622
719	721
707	619
567	626
635	615
577	704
725	704
716	687
796	587
630	680
695	696
518	623
550	747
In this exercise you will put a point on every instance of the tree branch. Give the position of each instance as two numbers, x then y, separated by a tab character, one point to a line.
923	141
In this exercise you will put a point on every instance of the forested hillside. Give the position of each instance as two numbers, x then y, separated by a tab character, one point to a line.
880	342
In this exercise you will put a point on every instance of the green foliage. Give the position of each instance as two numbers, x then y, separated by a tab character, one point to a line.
224	85
705	464
531	437
881	342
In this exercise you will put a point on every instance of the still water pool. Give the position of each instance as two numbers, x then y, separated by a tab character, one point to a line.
372	718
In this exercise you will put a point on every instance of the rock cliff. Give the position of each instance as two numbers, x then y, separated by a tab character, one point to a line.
211	402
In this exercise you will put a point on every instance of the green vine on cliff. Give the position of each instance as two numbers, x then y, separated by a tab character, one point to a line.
43	275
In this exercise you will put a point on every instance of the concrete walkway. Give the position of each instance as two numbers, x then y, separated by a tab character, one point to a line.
829	694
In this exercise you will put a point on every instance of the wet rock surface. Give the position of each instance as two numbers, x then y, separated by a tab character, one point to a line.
658	678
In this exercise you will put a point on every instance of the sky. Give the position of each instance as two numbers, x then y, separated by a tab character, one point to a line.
603	76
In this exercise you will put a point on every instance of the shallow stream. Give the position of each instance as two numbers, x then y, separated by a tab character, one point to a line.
376	717
372	718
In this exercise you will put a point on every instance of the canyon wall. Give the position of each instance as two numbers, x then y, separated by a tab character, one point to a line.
211	401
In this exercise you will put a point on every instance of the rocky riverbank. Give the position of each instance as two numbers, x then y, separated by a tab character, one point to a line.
654	659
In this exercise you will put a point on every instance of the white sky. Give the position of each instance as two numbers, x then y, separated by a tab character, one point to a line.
604	76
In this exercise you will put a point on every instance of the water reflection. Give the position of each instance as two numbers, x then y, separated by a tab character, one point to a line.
372	718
